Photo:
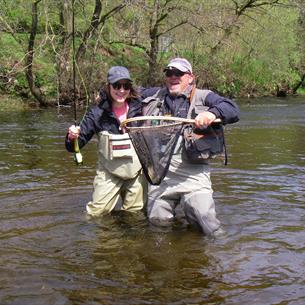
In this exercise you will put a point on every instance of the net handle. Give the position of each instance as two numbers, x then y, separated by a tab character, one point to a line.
166	118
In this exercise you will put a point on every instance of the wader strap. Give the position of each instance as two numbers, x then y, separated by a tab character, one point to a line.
192	93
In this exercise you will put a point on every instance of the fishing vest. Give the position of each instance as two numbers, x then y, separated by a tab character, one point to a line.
117	155
199	144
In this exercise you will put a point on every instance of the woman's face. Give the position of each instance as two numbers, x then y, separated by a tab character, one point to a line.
119	91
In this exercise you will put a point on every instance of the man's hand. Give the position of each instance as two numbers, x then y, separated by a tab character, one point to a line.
204	119
73	132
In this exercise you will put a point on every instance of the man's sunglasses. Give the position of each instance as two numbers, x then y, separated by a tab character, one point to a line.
118	86
177	73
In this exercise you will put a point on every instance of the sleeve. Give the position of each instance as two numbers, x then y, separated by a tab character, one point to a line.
88	128
147	92
224	108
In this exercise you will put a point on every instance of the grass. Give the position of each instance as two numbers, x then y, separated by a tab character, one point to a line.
9	103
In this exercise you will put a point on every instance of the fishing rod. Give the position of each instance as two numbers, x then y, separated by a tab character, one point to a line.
78	158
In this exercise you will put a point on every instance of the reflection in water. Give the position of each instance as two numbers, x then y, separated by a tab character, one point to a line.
52	253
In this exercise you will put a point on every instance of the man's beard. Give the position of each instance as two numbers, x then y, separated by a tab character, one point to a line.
178	91
174	92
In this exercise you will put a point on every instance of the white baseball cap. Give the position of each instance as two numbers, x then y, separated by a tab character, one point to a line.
180	64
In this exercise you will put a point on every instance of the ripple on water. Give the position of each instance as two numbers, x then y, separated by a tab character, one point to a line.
51	253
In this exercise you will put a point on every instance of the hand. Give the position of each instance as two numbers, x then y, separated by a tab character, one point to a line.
204	119
97	98
73	132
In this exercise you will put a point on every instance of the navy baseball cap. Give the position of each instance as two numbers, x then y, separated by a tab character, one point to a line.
117	73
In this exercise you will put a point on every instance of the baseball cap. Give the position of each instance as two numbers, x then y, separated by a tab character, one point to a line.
117	73
181	64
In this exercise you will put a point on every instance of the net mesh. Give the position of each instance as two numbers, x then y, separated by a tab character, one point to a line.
154	141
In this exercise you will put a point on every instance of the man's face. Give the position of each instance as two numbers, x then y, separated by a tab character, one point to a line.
177	81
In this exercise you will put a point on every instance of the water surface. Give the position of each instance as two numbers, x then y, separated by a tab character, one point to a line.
51	253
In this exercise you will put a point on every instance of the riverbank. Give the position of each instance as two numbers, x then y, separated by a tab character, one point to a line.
9	103
51	253
15	103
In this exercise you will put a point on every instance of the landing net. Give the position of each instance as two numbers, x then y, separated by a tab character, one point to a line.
154	139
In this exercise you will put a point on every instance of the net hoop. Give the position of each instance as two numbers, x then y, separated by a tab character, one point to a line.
176	121
155	142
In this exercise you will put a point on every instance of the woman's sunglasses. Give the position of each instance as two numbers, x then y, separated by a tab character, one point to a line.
177	73
118	86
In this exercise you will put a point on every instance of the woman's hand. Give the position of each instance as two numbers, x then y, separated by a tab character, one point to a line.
204	119
73	132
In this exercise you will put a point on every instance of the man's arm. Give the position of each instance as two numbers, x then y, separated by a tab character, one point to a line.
147	92
222	108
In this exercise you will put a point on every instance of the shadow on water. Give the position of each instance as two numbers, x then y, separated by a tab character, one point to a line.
52	253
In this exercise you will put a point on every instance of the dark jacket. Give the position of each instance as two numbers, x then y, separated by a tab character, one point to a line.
223	108
101	118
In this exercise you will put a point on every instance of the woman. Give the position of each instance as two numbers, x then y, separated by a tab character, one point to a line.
119	173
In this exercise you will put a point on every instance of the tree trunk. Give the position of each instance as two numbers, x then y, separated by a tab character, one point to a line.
301	45
91	29
299	84
153	54
96	21
36	92
64	56
154	45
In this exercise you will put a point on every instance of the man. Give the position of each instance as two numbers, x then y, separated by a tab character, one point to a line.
187	181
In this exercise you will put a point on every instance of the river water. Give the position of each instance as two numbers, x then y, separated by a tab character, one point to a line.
51	253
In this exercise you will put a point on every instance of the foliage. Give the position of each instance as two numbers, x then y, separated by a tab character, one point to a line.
250	52
12	103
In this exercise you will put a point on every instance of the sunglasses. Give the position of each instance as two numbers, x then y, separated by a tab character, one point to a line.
118	86
177	73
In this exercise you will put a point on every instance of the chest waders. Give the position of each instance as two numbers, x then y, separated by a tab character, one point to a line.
187	182
197	145
117	155
118	177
